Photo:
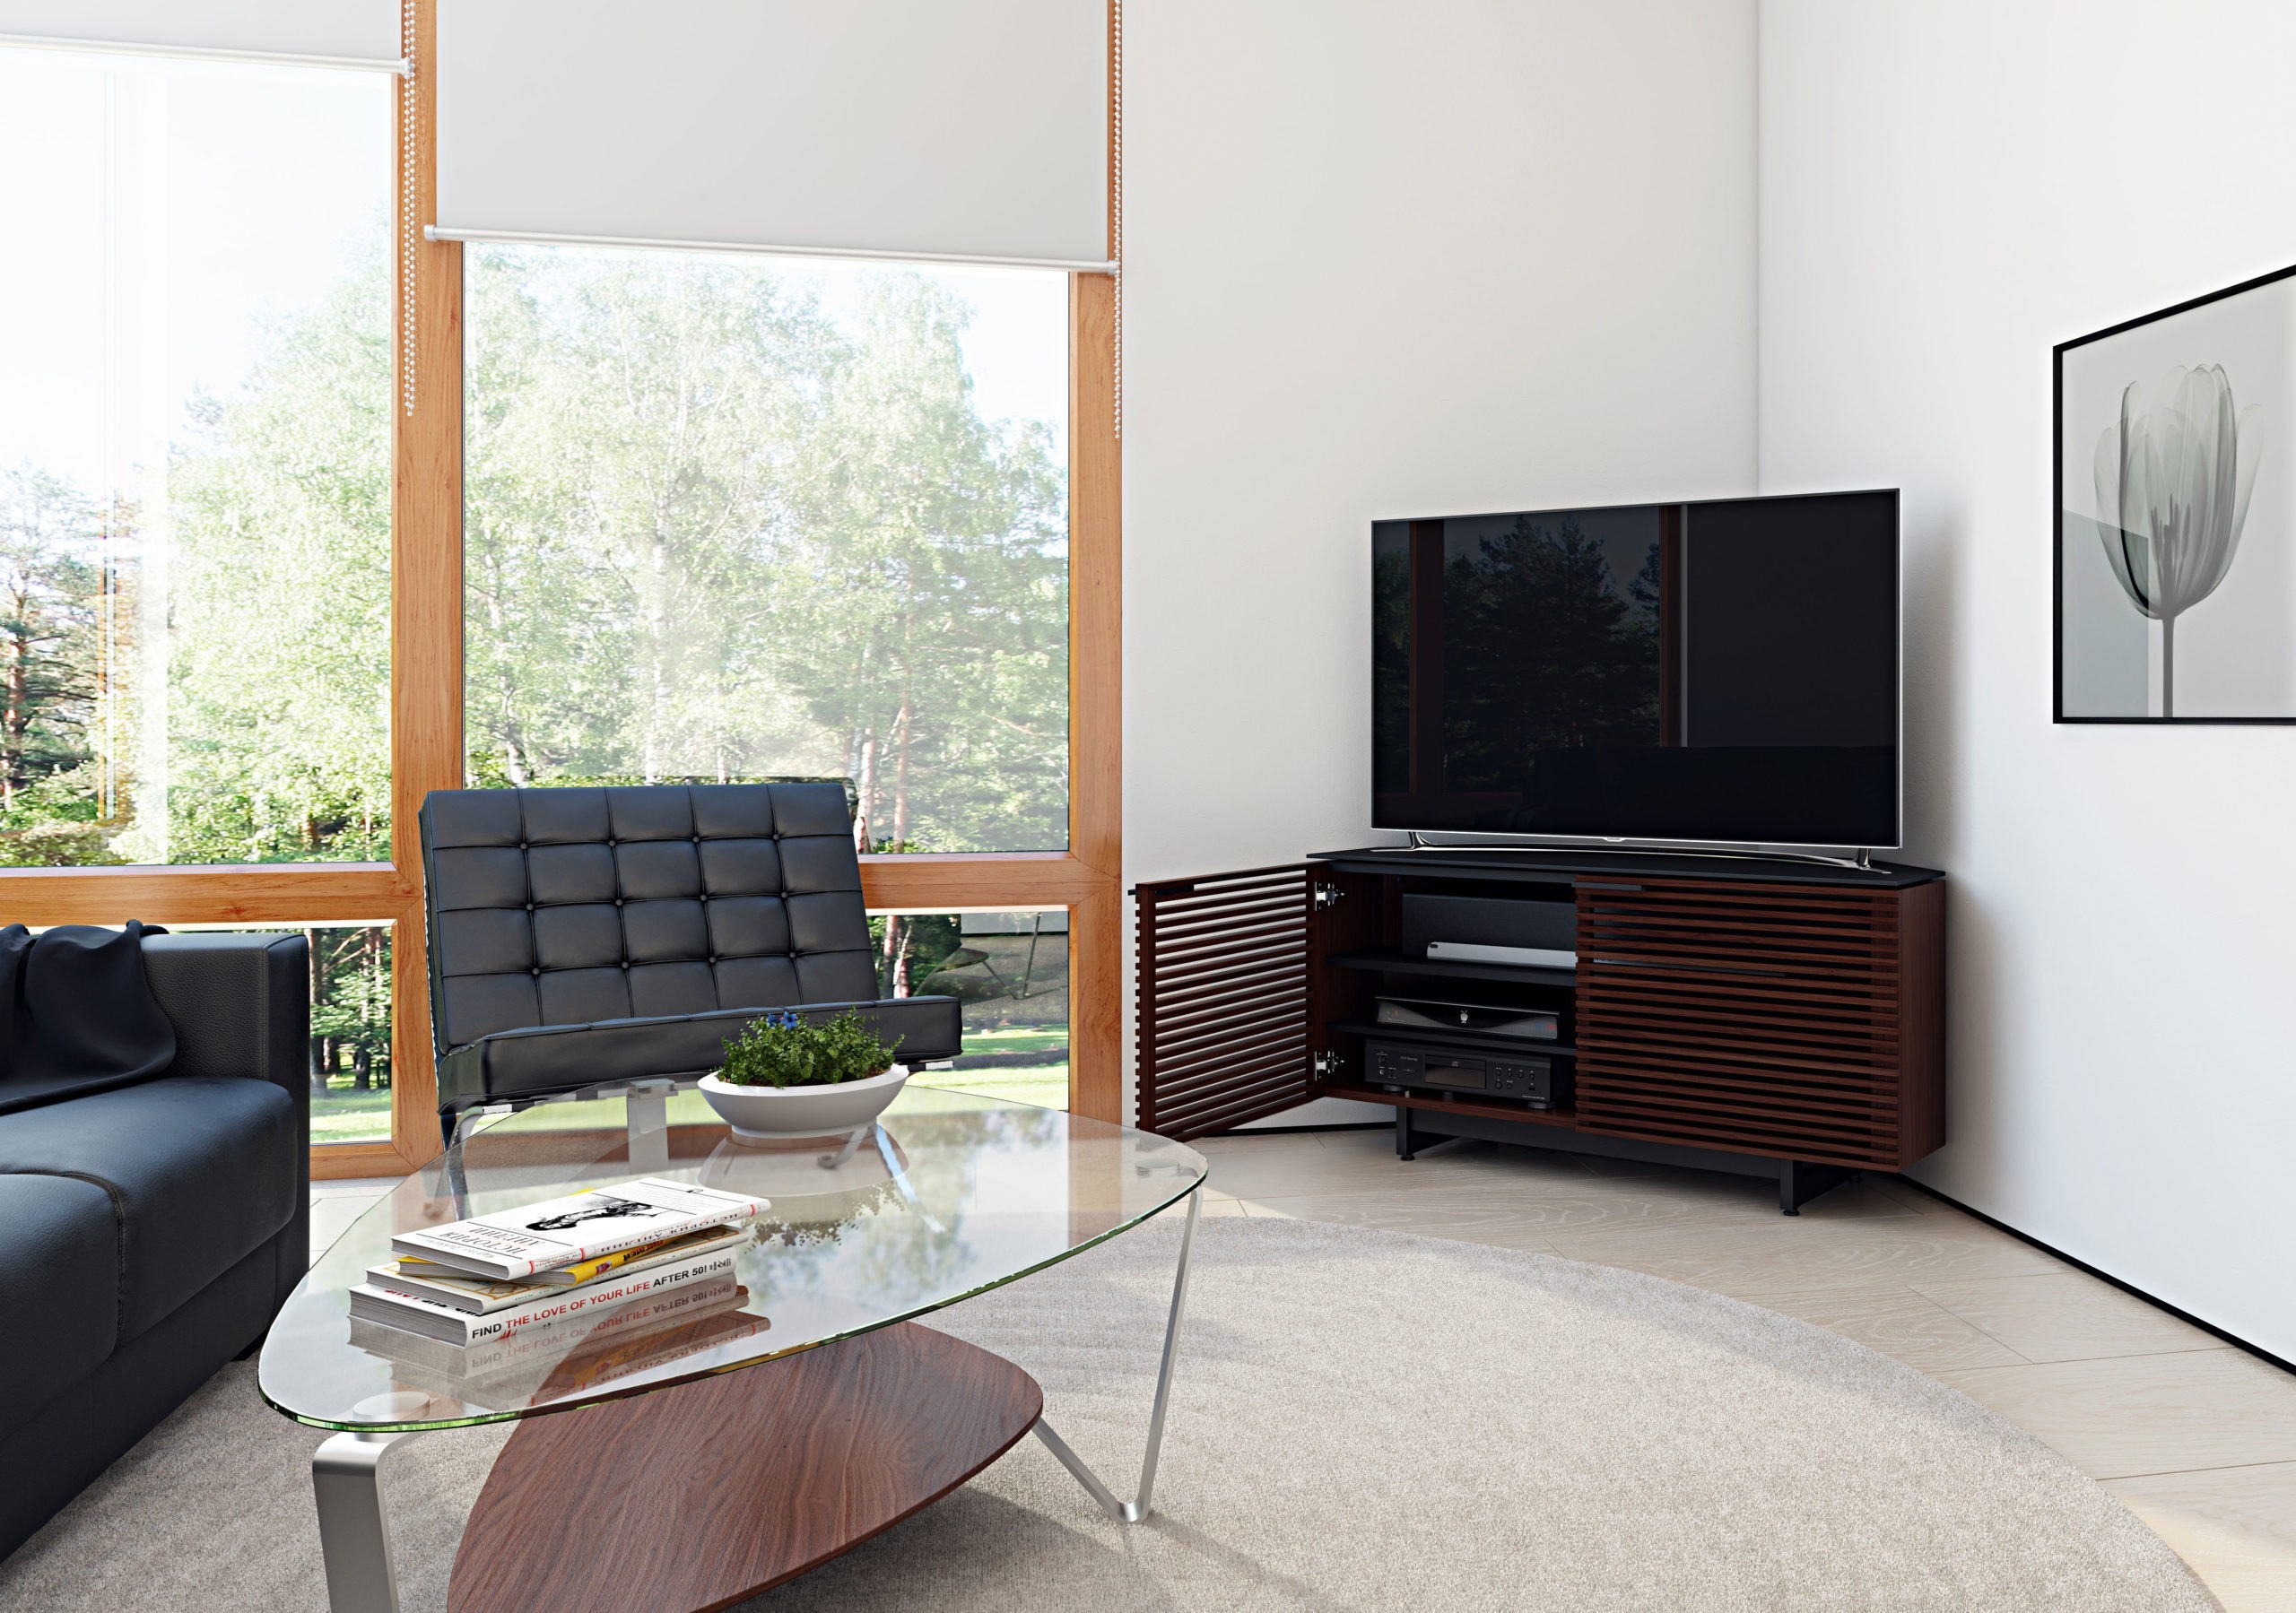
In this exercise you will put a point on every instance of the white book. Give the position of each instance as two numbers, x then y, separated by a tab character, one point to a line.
443	1285
513	1243
433	1320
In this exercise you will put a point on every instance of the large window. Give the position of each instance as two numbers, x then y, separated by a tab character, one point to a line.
1010	972
306	510
195	461
733	517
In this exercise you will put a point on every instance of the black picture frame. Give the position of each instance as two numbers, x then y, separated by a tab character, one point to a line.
2056	510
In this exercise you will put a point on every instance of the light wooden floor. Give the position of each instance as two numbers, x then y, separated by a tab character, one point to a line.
2196	1437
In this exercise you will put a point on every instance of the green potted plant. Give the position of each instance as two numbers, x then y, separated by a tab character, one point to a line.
788	1075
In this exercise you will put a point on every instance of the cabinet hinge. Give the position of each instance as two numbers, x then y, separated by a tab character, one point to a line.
1325	896
1327	1066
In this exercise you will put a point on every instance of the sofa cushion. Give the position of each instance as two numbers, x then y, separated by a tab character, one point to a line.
76	1014
560	1058
199	1172
59	1267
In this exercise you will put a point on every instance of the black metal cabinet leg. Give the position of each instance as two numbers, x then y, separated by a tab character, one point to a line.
1405	1144
1798	1183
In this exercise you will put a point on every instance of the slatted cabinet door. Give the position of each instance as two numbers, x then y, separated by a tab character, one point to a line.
1225	998
1797	1020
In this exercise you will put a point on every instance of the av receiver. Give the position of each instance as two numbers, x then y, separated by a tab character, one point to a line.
1536	1081
1491	1019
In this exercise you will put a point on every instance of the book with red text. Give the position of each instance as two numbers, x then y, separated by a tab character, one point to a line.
526	1370
451	1325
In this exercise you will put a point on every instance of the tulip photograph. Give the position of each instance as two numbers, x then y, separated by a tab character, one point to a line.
2176	582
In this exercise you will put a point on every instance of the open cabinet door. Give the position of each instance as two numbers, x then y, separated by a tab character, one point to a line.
1224	979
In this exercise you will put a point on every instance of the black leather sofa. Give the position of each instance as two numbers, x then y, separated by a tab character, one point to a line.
150	1231
585	937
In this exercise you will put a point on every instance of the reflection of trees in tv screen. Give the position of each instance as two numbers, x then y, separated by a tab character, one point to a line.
1544	649
1391	656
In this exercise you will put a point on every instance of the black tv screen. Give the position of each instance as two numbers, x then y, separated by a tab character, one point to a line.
1722	672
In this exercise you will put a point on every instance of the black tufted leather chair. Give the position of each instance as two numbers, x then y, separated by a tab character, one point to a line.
585	938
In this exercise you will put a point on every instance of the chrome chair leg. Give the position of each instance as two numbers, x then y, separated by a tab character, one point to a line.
354	1534
1134	1511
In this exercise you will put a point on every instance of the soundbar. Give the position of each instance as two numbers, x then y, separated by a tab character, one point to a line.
1473	929
1475	951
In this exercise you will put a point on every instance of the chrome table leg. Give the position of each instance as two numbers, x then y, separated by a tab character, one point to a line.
646	1111
354	1534
1134	1511
829	1162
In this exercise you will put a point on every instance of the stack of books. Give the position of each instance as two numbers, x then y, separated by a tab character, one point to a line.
553	1359
617	1258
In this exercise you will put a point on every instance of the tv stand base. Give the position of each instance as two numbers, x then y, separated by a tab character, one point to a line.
1798	1181
1860	858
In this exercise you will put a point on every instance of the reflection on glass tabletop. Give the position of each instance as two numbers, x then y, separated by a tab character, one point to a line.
955	1194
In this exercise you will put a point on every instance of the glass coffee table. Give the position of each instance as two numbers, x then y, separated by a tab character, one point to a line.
689	1480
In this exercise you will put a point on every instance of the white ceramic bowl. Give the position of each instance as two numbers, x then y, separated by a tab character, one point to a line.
804	1111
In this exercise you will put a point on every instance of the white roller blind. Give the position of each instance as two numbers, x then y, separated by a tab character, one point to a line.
971	129
347	31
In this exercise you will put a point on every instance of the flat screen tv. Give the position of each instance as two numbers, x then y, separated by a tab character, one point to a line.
1723	671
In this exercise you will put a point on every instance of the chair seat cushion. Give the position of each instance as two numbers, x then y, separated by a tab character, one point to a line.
199	1172
547	1059
59	1267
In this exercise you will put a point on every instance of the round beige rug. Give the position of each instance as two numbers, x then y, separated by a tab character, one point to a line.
1363	1420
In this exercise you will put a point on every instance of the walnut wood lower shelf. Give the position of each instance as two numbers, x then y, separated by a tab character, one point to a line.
695	1498
1443	1105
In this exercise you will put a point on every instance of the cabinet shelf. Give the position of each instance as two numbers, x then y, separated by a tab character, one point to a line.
1442	1104
1482	1041
1392	961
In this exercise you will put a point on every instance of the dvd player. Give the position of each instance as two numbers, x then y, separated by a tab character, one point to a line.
1537	1082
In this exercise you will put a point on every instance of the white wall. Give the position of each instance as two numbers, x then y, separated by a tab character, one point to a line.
1395	260
1950	188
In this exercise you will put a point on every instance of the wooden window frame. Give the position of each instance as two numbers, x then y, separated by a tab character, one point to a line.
427	705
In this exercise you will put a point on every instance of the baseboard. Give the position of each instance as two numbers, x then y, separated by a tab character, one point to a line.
2129	1288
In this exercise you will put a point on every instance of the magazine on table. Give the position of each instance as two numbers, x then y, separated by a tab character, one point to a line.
510	1244
445	1285
436	1319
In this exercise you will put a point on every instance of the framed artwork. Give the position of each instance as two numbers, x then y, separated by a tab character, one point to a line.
2176	513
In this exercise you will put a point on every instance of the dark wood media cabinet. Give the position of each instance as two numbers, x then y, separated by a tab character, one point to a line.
1771	1017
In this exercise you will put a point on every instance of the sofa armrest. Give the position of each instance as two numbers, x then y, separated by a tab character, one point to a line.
242	1005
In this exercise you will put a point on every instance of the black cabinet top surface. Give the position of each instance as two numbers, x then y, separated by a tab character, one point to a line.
1556	867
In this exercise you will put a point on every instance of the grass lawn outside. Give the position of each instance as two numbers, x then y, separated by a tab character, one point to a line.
1043	1085
344	1115
1017	1038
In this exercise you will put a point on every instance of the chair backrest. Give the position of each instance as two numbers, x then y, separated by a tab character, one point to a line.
565	906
